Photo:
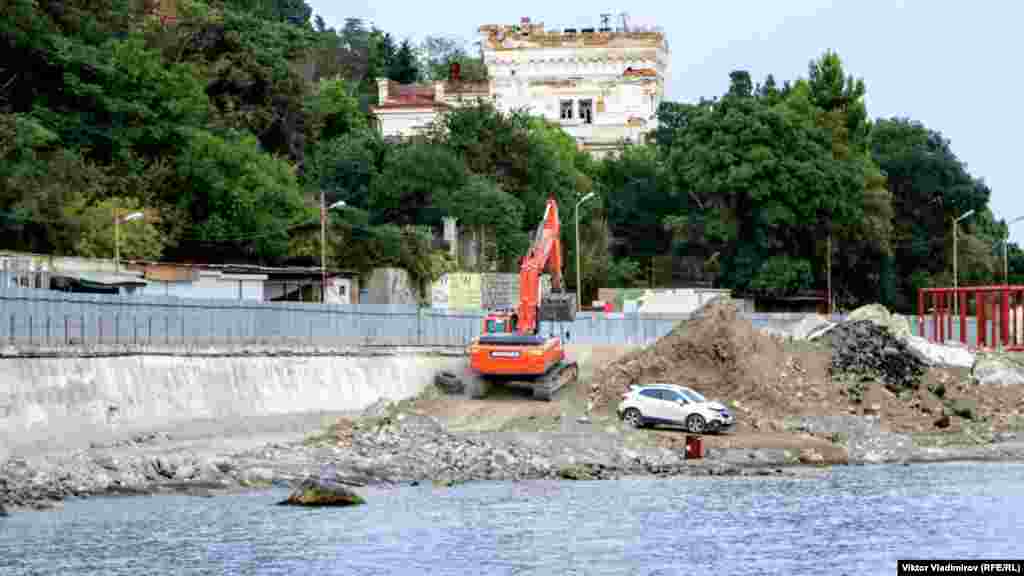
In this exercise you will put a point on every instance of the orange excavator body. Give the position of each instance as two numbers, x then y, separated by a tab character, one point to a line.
511	348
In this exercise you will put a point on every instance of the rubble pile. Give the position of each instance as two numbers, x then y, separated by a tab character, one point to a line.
718	353
865	349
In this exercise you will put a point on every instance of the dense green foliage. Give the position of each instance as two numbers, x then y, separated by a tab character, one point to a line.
227	125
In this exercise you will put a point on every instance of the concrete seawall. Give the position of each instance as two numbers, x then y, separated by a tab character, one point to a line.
69	401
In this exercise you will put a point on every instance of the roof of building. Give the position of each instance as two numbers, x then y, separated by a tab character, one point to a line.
405	96
640	72
101	279
272	271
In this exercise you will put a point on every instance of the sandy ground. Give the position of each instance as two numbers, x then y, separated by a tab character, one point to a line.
512	410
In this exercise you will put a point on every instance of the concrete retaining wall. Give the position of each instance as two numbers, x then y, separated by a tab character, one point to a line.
71	401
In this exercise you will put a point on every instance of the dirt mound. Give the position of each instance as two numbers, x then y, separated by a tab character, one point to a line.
725	357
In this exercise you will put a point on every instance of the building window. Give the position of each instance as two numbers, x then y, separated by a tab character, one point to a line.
566	110
587	111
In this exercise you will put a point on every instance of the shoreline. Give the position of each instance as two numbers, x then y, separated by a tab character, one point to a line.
390	448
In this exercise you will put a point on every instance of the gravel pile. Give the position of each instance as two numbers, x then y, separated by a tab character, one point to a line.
865	349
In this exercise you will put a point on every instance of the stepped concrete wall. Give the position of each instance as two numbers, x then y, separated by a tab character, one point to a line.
70	401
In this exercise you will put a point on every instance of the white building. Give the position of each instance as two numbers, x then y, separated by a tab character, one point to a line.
603	86
406	110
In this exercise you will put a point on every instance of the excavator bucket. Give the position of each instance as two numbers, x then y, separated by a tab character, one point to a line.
558	307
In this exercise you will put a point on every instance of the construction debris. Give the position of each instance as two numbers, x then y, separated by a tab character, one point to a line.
897	324
865	349
934	354
995	368
956	356
724	357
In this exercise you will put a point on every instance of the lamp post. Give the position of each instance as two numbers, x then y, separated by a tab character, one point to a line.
117	236
579	289
1006	266
956	294
323	242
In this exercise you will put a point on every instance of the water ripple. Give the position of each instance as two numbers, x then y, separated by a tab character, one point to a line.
856	520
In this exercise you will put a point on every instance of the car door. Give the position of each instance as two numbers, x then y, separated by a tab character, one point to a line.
651	404
675	407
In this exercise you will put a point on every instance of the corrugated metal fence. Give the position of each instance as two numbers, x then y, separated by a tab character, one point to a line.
52	318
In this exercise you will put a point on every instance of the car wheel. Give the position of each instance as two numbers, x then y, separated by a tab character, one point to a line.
695	423
632	417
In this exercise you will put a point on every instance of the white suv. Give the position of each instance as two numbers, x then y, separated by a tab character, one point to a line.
674	405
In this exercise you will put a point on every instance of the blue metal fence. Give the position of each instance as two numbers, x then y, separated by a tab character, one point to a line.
53	318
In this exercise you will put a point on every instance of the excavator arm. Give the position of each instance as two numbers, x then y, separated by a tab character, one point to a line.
545	255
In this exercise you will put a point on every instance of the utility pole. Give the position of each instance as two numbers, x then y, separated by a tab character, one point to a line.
579	276
956	292
117	241
117	234
828	266
323	242
1006	266
323	247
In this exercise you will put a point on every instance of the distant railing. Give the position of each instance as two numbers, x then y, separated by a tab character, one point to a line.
977	316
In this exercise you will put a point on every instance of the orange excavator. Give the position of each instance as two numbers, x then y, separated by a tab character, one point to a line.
511	350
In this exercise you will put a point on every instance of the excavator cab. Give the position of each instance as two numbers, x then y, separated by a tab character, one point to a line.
499	323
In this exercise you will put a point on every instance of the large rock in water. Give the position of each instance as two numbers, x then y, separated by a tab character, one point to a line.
323	492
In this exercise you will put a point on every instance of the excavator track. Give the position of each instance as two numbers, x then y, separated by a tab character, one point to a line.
544	388
566	372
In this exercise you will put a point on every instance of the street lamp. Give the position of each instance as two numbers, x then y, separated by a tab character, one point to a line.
1006	267
579	290
117	236
323	242
956	294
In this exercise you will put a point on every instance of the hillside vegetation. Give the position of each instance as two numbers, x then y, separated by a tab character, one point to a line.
226	123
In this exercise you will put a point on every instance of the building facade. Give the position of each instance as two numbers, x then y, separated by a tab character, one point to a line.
601	85
407	110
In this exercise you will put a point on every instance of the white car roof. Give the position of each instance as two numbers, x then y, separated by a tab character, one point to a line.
661	385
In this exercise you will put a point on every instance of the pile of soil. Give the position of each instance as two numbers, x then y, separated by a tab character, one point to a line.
864	349
724	357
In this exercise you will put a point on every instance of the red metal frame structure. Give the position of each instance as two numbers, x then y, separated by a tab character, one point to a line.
993	303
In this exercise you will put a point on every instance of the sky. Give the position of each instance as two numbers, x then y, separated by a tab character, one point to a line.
952	65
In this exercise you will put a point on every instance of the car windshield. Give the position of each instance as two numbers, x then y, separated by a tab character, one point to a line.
693	396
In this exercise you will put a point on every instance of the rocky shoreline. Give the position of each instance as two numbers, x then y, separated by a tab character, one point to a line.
390	448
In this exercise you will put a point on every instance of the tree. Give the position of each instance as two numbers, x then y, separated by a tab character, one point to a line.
253	81
930	187
345	167
332	110
481	204
413	178
639	198
140	239
440	53
240	200
404	69
755	180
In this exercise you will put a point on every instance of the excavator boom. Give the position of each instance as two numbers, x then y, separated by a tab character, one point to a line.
545	255
511	349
